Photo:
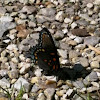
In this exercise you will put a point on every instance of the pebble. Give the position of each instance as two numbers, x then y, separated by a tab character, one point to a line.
2	11
73	25
13	74
78	39
73	54
41	96
95	64
23	1
61	92
60	16
92	40
4	83
49	92
62	53
61	2
35	88
22	82
59	35
6	19
67	20
89	5
38	72
97	2
3	72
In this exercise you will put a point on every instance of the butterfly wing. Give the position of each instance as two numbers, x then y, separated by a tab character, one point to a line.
46	54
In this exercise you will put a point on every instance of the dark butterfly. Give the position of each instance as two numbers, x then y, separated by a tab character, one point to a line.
45	53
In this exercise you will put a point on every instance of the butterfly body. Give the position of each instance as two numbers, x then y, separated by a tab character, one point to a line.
45	53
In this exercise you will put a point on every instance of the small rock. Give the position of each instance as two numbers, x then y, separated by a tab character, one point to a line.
32	24
73	25
41	96
89	5
93	88
24	67
6	19
97	32
35	88
86	17
3	72
12	47
4	83
78	84
80	32
62	53
97	2
60	16
38	72
14	59
61	2
61	92
95	64
78	39
22	82
47	12
34	80
59	35
2	11
67	20
13	74
25	96
28	9
92	40
84	62
49	93
73	54
24	1
72	42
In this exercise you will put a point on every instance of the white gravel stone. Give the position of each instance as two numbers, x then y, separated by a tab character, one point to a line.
60	16
62	53
78	39
22	82
97	2
73	25
6	19
67	20
38	72
89	5
12	47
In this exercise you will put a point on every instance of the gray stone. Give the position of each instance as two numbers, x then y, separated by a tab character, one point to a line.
59	35
22	82
80	46
28	9
97	32
78	84
78	39
84	61
49	92
73	54
41	96
95	64
62	53
82	22
47	12
6	19
24	1
92	40
4	26
61	2
4	83
3	72
86	17
2	11
35	88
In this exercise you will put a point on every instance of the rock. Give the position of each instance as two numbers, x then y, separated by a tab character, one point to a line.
78	84
28	9
80	46
80	32
22	16
34	80
14	59
32	24
59	35
64	61
86	17
6	19
89	5
3	98
2	11
22	82
13	74
62	53
97	32
92	88
61	2
97	2
49	93
82	22
90	78
95	64
24	67
92	40
73	25
4	26
84	61
12	47
41	96
24	1
25	96
60	16
67	20
38	72
35	89
47	12
69	10
73	54
3	72
97	58
4	83
68	94
61	92
72	42
78	39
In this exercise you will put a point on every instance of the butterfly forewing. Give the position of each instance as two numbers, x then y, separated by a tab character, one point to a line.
46	54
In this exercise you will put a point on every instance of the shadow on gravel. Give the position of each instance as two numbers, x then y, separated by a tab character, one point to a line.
78	71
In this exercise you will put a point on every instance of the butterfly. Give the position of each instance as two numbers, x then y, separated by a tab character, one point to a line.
45	52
